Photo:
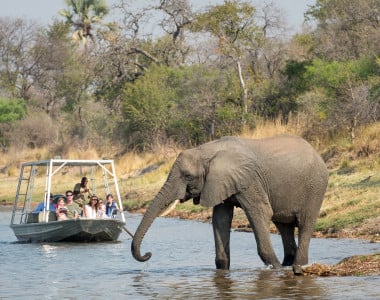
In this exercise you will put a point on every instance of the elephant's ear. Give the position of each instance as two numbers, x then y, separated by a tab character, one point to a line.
228	173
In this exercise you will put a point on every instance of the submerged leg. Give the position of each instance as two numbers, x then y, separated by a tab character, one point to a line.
305	231
288	241
221	222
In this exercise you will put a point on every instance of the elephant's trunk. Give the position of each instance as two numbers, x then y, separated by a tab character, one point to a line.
162	200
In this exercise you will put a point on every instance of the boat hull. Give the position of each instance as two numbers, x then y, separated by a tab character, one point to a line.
78	230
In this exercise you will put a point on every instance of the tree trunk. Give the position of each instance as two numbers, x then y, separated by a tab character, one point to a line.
244	95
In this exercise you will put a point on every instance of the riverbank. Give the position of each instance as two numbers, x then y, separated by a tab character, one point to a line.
357	265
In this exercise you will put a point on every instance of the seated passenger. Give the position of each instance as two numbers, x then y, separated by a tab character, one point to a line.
61	209
101	213
73	209
111	206
40	206
90	209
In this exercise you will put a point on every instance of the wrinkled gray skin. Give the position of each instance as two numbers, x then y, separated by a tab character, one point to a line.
280	179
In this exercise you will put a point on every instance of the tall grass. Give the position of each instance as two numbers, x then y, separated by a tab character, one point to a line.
271	127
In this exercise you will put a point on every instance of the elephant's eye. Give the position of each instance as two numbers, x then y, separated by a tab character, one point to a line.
187	176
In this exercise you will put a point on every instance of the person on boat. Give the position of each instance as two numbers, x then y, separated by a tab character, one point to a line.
61	209
40	206
73	209
82	192
111	206
90	209
101	213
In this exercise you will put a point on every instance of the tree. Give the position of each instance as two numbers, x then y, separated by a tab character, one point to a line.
233	25
10	111
60	55
345	29
207	105
83	15
178	17
347	85
147	106
19	57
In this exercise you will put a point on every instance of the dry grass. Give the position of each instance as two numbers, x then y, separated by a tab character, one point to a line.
268	128
357	265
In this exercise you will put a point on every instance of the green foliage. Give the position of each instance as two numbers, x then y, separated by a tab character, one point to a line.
82	15
272	100
295	74
327	74
188	129
119	89
334	74
314	103
208	106
12	110
228	119
232	22
147	105
85	8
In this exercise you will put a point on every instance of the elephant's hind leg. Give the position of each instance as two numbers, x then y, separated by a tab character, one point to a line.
221	221
305	231
288	241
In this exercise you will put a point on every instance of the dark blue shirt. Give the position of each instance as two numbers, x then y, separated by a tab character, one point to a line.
111	209
40	207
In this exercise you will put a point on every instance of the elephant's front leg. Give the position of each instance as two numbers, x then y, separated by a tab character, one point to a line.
221	223
259	214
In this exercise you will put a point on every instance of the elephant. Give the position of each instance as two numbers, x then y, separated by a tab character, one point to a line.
280	179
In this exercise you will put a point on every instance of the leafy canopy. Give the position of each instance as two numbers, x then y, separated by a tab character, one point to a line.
12	110
232	23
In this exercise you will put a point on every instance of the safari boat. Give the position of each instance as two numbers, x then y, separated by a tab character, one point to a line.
39	179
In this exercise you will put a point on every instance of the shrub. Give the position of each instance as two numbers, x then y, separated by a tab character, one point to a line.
35	131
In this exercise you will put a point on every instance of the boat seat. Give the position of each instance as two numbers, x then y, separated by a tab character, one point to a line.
52	217
32	218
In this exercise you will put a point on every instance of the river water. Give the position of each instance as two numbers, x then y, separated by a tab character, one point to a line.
182	267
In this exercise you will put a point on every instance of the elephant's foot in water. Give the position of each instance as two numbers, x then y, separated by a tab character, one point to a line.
288	260
297	270
222	264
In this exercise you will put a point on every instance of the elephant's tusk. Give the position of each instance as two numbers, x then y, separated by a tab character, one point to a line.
169	210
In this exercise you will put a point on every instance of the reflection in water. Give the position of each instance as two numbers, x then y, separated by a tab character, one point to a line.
265	284
49	250
223	284
238	284
289	285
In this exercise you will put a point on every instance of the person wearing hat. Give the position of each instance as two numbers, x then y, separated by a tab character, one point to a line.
82	192
40	206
